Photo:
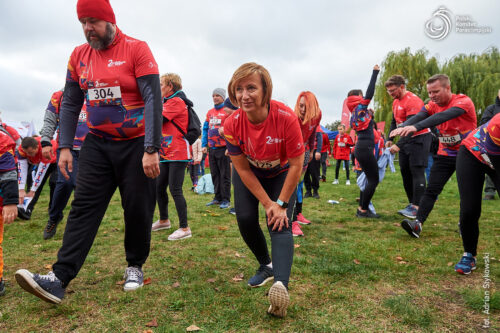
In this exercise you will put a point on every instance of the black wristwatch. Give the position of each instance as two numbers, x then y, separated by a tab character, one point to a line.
150	149
282	203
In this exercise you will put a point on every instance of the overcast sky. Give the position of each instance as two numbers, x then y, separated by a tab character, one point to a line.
327	47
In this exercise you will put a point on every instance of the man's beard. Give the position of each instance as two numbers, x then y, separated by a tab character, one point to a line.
101	42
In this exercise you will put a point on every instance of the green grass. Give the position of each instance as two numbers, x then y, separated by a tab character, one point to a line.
400	284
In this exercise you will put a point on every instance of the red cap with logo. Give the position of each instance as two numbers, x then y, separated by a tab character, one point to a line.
99	9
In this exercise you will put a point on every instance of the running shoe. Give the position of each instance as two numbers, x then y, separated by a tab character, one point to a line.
489	197
316	195
335	182
348	182
323	179
46	287
2	288
134	278
263	275
413	228
51	228
410	212
367	215
302	220
160	226
213	202
279	299
232	211
180	234
308	194
23	214
404	210
296	231
224	204
466	265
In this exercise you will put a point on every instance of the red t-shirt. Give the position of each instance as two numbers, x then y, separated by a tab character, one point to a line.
310	129
174	147
115	108
8	137
409	105
215	119
342	147
485	140
452	132
267	145
326	144
38	157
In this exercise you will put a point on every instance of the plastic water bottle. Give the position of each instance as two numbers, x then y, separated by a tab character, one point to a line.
333	202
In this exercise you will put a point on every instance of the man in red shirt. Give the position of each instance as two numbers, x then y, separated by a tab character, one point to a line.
341	151
213	143
454	117
413	150
117	77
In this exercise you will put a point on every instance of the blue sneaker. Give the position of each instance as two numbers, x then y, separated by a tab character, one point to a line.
466	265
410	212
213	202
232	211
225	204
404	210
47	287
264	274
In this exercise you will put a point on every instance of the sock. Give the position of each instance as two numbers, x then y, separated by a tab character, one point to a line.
270	265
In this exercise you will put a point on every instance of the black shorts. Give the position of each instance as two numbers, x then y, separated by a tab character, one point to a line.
418	149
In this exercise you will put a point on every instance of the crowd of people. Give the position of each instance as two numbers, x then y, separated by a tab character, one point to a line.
121	125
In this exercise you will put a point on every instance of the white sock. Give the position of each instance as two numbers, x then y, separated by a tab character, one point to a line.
270	265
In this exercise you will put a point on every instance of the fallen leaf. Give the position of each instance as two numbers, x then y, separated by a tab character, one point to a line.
357	262
296	245
324	242
450	263
216	289
208	211
396	224
147	281
402	262
239	255
48	266
97	272
152	323
36	245
115	229
214	214
105	232
399	258
203	214
147	331
120	283
222	228
211	280
238	277
192	328
176	285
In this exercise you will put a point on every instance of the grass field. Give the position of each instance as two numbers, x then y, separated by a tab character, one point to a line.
348	275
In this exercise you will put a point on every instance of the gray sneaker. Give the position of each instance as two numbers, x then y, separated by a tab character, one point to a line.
263	275
134	278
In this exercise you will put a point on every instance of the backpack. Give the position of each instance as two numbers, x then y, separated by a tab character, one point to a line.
194	126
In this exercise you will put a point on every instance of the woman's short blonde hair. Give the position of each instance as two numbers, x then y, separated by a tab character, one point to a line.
245	71
173	79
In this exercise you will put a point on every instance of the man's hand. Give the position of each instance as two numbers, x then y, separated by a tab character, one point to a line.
394	149
376	67
65	163
221	131
47	152
9	213
204	150
317	156
276	216
151	165
388	144
407	130
22	194
30	194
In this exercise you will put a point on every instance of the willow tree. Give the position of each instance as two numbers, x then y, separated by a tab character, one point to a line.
416	68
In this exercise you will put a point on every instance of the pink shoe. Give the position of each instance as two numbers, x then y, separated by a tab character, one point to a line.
296	231
302	220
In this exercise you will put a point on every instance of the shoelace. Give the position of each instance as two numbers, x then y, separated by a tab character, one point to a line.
50	227
133	274
51	277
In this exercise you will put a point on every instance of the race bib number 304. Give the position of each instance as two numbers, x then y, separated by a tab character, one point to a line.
104	92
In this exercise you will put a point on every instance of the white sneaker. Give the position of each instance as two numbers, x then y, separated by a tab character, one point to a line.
335	182
347	182
279	299
134	278
180	234
160	226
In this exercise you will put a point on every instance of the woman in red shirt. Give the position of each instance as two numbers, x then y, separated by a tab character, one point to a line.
174	155
266	148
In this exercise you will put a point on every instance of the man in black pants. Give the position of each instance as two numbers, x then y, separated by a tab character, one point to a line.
312	175
121	149
489	112
414	150
454	117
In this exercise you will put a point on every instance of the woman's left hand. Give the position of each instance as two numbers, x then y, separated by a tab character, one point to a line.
276	216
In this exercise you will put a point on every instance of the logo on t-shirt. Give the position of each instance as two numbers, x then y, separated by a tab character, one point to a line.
270	140
112	63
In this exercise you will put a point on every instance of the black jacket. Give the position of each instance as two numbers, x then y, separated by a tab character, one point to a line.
490	111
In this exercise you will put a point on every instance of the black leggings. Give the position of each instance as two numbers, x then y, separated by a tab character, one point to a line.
368	163
247	215
346	166
172	175
413	178
470	177
442	169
